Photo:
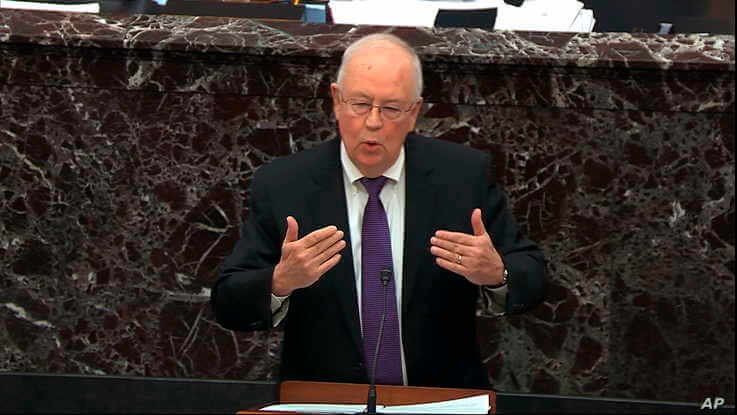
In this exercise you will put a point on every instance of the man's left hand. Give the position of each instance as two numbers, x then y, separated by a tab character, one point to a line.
472	256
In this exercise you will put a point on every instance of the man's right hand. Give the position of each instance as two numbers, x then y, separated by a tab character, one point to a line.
303	261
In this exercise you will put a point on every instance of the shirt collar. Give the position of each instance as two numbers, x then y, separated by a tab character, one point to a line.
351	171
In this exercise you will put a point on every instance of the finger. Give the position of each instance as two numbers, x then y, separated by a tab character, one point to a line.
326	243
292	230
455	237
450	266
477	223
317	236
329	264
449	246
445	254
328	252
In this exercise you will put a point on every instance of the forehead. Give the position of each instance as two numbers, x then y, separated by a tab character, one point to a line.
380	70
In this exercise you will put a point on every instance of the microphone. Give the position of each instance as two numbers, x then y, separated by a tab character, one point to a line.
385	275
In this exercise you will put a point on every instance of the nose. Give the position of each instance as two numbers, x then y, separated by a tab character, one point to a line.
374	120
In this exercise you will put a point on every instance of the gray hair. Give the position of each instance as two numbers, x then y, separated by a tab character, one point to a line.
383	37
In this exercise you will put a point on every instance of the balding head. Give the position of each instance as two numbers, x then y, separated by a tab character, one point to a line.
367	44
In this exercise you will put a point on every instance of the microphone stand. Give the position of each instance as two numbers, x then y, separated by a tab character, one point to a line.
371	399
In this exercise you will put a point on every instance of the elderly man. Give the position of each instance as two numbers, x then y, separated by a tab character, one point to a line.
381	223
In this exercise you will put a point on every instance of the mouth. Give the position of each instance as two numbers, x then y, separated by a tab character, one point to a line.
371	143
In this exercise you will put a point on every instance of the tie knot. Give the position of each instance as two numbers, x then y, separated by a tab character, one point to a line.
373	186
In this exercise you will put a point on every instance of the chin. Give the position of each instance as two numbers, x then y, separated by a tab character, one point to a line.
372	169
371	160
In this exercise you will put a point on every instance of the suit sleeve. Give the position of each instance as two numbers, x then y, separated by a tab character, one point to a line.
522	258
241	297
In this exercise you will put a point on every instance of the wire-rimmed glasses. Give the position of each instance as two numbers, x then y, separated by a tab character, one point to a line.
392	111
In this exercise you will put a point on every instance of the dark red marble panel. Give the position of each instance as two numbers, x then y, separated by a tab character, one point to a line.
111	240
290	76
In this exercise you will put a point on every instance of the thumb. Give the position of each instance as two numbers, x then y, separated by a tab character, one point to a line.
292	230
477	223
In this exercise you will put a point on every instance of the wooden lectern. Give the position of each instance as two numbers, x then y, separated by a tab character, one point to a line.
352	393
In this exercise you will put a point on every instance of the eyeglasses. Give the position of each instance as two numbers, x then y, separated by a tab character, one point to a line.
360	106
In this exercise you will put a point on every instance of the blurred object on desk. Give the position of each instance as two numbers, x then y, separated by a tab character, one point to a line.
546	16
479	18
532	15
73	6
253	1
254	10
315	11
685	16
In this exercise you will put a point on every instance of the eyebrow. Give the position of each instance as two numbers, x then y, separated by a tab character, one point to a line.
361	95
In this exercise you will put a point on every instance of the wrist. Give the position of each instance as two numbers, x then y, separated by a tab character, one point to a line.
278	288
505	277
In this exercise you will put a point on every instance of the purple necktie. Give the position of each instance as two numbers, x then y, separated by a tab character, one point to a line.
376	257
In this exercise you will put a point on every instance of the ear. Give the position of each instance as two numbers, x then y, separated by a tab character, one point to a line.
334	92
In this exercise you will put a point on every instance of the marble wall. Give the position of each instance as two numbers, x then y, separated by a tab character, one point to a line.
127	145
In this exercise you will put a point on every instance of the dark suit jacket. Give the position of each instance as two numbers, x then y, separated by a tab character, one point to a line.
322	337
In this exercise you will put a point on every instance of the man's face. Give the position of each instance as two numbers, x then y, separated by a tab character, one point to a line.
382	75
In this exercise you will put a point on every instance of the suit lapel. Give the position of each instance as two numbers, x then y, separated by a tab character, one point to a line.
419	207
328	207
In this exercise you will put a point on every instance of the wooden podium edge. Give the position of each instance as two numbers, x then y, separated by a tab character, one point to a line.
355	393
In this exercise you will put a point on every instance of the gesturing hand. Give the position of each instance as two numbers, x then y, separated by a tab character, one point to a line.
472	256
303	261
